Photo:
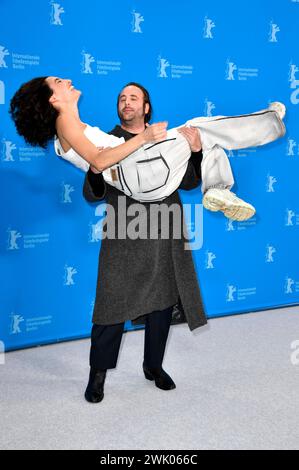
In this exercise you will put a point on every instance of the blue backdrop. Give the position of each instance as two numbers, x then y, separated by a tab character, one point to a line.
198	57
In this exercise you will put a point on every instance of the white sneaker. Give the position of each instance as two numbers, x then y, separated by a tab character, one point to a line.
279	108
216	199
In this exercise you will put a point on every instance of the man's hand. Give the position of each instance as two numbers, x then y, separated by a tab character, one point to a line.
192	136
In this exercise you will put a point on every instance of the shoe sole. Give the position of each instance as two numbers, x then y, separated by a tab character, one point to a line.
240	212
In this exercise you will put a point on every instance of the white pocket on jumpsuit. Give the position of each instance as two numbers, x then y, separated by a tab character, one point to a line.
152	174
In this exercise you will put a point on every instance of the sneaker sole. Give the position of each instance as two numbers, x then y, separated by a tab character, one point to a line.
237	212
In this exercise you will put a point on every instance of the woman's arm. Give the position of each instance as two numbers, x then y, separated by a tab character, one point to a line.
70	129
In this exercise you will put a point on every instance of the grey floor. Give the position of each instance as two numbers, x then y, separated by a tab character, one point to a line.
237	388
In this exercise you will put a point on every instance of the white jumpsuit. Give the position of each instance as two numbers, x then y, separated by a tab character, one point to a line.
156	170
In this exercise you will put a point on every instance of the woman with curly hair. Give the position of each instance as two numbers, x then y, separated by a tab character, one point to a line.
46	107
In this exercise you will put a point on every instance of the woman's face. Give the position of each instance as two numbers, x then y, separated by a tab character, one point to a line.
63	91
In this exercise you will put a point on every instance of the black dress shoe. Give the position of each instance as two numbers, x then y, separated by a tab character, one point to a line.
95	389
161	378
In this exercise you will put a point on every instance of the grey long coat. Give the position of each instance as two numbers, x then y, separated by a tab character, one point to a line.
137	277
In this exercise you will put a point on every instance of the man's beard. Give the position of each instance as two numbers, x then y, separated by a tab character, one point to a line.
126	120
132	118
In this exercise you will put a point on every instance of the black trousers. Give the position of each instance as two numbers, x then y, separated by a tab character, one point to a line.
106	340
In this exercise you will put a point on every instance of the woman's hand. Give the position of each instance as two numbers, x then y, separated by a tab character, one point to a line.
156	132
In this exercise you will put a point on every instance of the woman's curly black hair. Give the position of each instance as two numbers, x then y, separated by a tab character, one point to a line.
33	115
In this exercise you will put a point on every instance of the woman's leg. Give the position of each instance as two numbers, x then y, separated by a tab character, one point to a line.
216	170
237	132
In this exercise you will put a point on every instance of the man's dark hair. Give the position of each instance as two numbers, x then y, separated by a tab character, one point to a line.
33	115
147	100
